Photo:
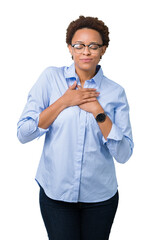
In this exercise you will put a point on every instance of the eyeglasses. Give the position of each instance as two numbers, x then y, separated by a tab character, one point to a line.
93	47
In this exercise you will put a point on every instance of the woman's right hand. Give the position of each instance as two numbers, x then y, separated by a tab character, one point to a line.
71	97
79	96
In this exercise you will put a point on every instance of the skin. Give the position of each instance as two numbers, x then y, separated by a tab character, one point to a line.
86	70
85	98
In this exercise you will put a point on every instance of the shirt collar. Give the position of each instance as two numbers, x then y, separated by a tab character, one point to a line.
69	72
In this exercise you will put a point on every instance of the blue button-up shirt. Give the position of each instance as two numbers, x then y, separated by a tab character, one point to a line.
77	163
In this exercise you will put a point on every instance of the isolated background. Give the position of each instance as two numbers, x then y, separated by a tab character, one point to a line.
29	31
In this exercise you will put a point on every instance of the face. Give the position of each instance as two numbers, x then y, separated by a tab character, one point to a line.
87	60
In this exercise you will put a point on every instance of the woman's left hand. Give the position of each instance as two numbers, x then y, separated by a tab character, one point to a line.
93	107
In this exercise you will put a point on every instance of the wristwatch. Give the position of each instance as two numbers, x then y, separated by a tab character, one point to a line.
101	117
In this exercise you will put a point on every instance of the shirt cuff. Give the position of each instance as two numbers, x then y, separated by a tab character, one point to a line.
42	131
115	134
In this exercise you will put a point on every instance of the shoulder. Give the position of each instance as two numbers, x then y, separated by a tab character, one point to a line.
113	90
49	74
107	84
52	70
112	85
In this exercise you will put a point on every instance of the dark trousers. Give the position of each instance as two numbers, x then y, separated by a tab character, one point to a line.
78	221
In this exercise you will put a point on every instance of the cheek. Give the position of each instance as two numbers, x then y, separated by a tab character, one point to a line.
75	57
97	59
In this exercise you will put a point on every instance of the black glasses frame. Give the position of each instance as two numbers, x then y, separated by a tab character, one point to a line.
84	45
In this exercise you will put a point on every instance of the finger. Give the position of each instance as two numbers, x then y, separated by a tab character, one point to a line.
91	95
89	89
79	87
92	99
73	86
89	100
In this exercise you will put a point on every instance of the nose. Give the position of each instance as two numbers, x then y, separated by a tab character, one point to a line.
86	50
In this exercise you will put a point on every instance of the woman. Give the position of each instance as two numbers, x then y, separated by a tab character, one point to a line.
86	120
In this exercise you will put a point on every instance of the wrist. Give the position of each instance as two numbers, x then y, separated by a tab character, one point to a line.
98	110
63	101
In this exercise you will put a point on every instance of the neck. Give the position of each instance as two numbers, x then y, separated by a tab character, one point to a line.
84	75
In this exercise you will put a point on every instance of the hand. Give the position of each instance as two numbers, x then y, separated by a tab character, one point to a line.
94	106
79	96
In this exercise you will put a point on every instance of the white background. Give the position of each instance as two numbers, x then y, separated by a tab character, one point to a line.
29	31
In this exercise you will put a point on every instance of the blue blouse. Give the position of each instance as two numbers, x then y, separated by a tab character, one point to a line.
77	163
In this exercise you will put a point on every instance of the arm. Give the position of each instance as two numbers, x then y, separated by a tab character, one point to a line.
117	135
48	115
38	115
71	97
27	126
105	126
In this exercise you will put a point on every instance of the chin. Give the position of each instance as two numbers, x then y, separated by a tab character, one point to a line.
87	67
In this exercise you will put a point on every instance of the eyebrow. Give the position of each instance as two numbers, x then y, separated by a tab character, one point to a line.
89	43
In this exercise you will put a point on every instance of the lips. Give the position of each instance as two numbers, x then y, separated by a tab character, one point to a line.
86	60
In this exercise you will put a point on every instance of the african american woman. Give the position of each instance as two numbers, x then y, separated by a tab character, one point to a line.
85	119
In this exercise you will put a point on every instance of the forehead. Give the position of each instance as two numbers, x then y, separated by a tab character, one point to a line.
87	35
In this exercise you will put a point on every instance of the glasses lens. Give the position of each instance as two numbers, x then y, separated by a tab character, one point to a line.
93	47
78	48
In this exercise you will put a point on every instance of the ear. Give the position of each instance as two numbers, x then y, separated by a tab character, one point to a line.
103	50
70	48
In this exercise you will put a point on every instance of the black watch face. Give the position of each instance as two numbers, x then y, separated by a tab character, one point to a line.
101	117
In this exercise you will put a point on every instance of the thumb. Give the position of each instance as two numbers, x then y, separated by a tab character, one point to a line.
73	86
79	87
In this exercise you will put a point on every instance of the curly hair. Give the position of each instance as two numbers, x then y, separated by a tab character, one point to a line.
91	23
